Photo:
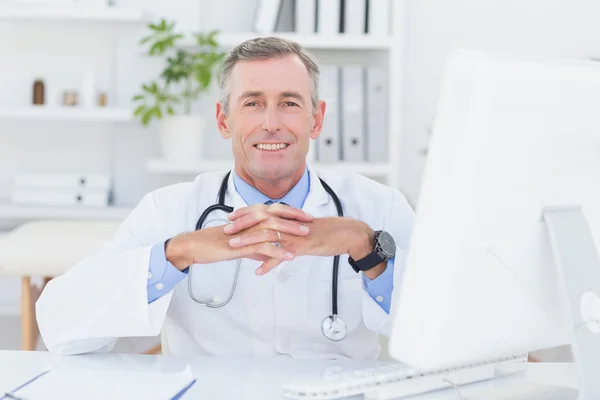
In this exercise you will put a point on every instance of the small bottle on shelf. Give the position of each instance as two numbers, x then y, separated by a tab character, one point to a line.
38	92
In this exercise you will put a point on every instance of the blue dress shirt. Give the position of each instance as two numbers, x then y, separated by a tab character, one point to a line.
163	276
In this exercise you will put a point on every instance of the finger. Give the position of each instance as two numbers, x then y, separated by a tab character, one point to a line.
245	210
247	221
268	266
267	249
281	210
250	238
285	226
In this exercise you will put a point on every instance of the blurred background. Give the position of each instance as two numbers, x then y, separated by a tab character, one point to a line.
73	73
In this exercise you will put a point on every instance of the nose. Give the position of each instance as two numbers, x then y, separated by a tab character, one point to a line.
271	120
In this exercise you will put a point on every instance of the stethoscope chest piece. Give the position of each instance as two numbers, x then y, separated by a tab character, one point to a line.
334	328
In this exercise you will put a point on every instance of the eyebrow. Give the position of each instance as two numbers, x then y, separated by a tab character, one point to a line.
258	93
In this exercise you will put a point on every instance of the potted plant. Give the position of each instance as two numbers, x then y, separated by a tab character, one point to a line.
188	73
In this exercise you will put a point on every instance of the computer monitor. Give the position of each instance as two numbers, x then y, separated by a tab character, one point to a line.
511	137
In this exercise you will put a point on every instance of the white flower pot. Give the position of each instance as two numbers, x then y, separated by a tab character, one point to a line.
181	137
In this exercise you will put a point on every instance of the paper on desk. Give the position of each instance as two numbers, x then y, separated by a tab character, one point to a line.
15	377
107	385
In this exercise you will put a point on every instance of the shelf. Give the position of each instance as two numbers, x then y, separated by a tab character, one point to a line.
171	167
18	212
68	12
66	114
313	42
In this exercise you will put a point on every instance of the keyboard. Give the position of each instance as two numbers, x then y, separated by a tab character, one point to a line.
398	380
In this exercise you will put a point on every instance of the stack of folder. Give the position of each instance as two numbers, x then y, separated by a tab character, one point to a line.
91	190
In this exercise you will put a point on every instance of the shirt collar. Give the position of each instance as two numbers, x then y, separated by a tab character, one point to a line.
294	198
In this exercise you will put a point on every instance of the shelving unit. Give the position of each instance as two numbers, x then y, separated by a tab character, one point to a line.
66	114
172	167
68	12
17	212
313	42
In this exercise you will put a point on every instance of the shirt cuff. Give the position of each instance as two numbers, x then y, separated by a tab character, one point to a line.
162	275
380	289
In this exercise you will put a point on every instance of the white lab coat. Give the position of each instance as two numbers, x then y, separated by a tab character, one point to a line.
104	297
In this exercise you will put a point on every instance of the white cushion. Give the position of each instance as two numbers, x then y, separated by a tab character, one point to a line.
50	248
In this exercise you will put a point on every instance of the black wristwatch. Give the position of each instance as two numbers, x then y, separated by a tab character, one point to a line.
384	249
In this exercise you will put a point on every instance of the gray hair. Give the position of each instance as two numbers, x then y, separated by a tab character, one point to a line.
267	48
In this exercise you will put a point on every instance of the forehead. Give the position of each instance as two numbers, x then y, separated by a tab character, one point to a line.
277	74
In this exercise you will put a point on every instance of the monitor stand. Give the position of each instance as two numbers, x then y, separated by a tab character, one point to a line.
578	267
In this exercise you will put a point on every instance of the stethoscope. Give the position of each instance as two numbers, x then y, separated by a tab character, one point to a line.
333	327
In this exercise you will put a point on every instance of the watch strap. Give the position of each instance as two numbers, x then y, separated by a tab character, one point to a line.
364	264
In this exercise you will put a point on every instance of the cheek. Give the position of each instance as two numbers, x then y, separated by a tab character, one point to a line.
299	124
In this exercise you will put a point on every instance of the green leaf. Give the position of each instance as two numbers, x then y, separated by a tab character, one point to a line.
158	112
146	39
138	97
147	117
170	110
139	110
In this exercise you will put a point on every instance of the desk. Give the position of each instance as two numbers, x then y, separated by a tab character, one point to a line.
227	378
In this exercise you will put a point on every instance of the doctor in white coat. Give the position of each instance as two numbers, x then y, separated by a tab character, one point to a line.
285	229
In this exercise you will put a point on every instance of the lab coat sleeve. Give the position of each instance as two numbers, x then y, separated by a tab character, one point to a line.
104	297
399	223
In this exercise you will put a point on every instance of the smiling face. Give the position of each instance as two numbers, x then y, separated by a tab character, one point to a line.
271	118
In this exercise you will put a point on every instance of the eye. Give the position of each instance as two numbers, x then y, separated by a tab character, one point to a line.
250	104
291	104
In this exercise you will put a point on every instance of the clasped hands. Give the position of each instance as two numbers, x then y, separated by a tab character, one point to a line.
255	229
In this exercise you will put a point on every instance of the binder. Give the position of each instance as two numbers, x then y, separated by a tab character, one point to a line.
267	13
81	181
377	132
378	21
286	17
329	143
306	17
59	197
353	120
355	13
328	17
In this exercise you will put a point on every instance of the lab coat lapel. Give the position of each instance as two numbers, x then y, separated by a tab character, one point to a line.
318	199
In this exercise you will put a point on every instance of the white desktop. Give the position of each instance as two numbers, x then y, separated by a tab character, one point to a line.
513	140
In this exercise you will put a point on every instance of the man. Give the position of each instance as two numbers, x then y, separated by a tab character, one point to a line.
285	229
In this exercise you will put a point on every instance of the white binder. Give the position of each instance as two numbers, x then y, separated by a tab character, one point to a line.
77	181
306	16
59	197
377	113
329	143
328	17
286	17
267	13
353	110
379	17
355	14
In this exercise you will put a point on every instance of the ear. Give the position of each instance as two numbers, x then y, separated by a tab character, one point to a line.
222	122
318	120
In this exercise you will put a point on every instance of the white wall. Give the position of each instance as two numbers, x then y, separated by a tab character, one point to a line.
565	28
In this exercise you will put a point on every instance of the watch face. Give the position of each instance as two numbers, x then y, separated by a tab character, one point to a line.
387	244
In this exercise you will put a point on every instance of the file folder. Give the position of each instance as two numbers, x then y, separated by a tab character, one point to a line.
306	17
355	13
377	132
379	12
328	17
329	143
353	110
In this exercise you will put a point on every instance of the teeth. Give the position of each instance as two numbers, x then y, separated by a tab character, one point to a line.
269	146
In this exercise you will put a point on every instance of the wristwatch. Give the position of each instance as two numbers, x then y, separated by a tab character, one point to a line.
384	249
